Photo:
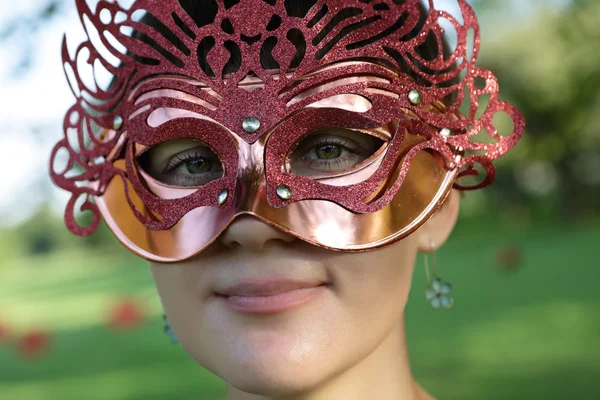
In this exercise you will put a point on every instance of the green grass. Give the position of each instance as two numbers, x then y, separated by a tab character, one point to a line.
527	334
531	333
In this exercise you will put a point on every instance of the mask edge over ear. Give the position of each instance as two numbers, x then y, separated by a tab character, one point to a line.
434	233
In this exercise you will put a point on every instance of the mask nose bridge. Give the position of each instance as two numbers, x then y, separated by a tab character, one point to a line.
251	186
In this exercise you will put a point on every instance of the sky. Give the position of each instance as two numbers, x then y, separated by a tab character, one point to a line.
36	100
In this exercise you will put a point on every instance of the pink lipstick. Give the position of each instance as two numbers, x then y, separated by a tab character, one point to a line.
272	296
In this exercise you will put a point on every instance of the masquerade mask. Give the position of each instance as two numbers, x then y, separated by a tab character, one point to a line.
324	119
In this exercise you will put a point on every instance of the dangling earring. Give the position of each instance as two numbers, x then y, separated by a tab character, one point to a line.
168	331
438	291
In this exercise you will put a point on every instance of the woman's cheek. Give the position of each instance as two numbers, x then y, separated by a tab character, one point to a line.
370	281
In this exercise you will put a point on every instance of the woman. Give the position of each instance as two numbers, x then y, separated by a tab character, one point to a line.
281	163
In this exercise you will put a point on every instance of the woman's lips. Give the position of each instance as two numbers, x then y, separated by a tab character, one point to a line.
270	297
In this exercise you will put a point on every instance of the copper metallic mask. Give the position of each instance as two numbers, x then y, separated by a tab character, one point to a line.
352	65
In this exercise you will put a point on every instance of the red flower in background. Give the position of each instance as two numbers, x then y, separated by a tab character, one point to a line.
33	344
125	314
509	257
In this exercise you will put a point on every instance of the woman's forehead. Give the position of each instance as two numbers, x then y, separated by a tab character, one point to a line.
342	86
351	71
251	82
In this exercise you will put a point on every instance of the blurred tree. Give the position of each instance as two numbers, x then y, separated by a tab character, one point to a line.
550	68
44	233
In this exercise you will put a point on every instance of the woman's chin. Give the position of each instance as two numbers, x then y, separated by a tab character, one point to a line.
277	343
275	361
274	376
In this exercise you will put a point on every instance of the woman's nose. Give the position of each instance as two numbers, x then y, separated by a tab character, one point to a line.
252	234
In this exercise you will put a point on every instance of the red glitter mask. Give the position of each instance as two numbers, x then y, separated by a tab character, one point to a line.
351	66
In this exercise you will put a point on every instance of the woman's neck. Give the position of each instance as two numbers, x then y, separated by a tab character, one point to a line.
384	374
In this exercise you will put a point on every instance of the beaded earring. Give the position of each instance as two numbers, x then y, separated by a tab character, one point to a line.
168	331
438	291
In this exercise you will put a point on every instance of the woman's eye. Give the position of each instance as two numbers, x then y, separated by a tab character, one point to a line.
197	165
328	151
332	151
181	162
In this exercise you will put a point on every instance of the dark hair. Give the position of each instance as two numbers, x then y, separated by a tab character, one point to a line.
203	12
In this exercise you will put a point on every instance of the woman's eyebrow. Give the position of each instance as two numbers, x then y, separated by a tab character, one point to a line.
332	85
173	92
179	95
334	76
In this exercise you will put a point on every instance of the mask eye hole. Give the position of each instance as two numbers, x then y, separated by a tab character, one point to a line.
330	152
181	163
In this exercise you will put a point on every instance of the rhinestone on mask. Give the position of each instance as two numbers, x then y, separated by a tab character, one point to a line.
445	132
223	197
117	122
251	124
414	96
284	192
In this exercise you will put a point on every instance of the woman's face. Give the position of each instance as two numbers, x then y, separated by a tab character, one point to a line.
257	346
341	323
